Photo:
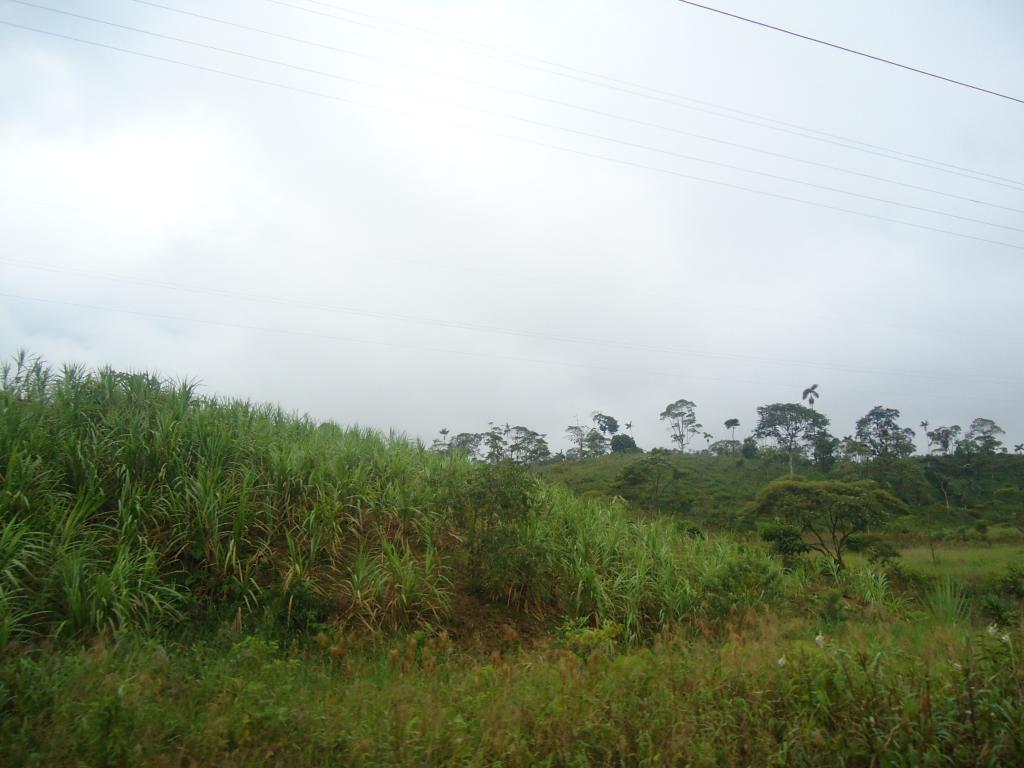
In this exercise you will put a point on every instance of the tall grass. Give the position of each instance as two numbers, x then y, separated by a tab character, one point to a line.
947	602
128	501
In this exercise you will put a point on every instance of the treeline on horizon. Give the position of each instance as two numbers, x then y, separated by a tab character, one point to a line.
796	431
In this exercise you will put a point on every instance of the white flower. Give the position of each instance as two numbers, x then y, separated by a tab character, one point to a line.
1006	637
782	661
819	640
956	666
992	630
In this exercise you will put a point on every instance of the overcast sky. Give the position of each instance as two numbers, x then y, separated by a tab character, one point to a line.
434	231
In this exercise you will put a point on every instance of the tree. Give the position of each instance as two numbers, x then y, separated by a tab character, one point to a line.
853	450
983	433
824	448
467	443
731	425
810	395
587	442
880	431
578	437
748	449
440	444
624	444
1018	448
725	447
595	444
827	512
608	425
495	441
789	425
944	439
527	447
682	421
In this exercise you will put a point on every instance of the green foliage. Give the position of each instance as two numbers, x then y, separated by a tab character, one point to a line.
623	444
791	426
654	482
880	431
134	504
785	540
682	422
947	602
749	448
828	512
861	698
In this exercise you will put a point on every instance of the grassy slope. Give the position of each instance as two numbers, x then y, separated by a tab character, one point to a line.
719	486
714	483
187	581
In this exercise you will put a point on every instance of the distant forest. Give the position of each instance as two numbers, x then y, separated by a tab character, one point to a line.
797	432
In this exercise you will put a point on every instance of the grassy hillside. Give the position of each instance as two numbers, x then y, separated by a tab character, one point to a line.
707	486
133	504
191	581
942	492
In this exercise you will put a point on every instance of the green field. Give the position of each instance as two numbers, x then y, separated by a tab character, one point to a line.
188	581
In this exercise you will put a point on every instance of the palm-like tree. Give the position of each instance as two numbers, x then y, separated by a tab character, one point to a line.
629	427
1018	448
731	424
811	394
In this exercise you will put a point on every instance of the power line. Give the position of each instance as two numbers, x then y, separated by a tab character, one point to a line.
434	265
850	50
464	353
571	105
518	118
667	97
510	137
521	333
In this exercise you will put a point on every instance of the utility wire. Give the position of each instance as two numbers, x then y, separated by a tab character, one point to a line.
464	353
510	137
533	279
667	97
571	105
517	118
850	50
521	333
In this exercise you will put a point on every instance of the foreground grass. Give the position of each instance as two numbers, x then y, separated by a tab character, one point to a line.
766	695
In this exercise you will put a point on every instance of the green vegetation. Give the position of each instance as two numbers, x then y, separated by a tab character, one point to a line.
191	581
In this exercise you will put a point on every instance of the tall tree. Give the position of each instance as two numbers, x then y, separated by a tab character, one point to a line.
944	439
577	435
440	444
984	433
810	395
608	425
731	425
879	429
467	443
790	425
495	442
595	444
682	421
527	447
